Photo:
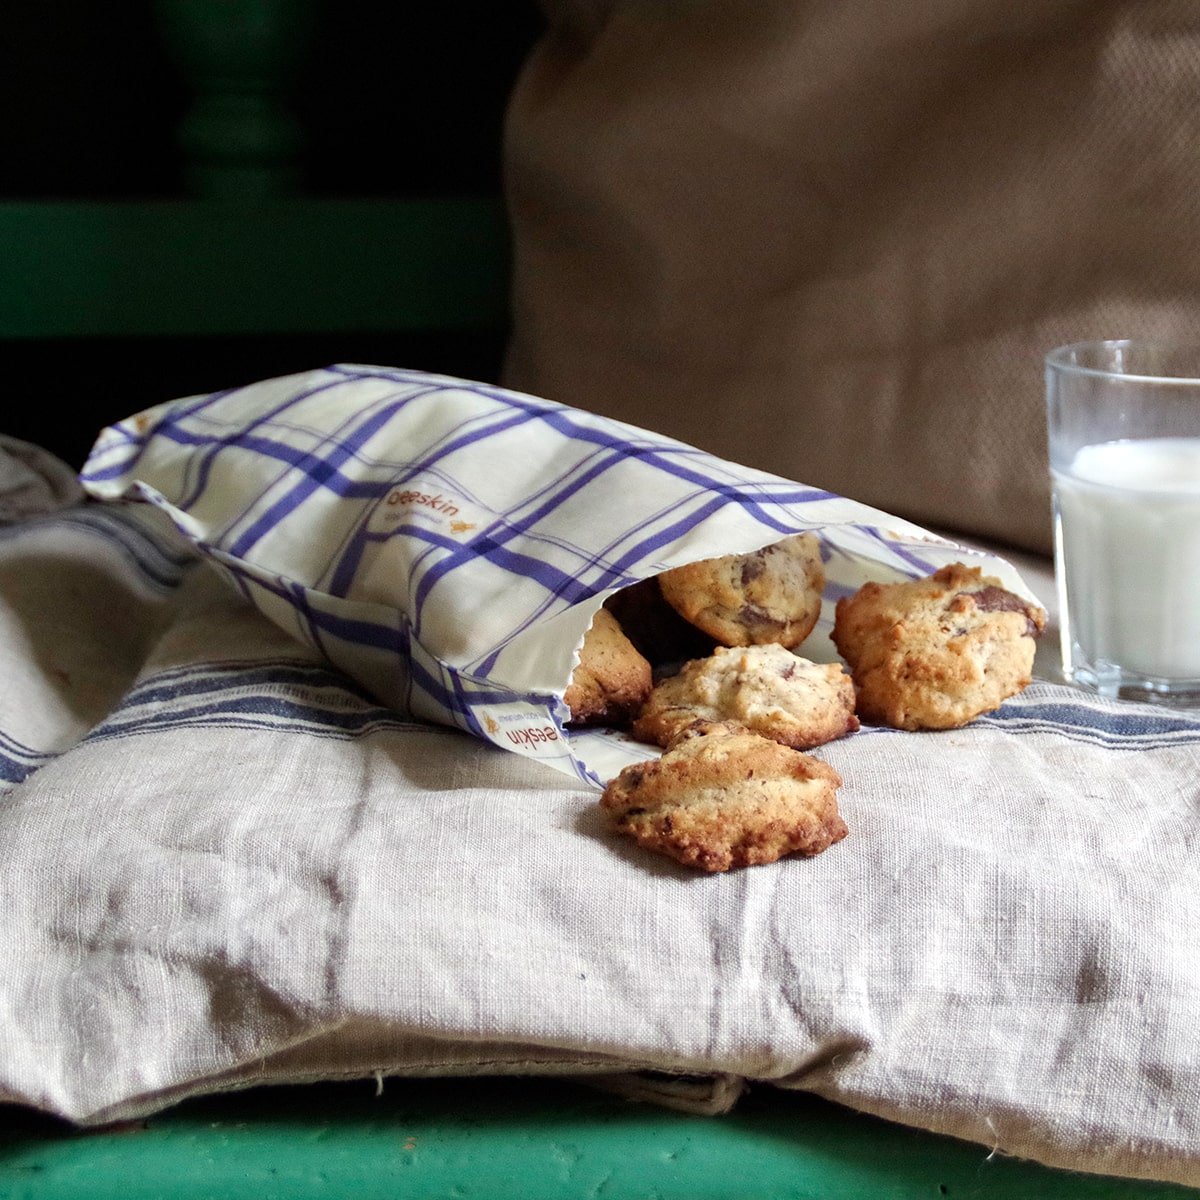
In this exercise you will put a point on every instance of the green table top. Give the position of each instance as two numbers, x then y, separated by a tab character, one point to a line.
500	1138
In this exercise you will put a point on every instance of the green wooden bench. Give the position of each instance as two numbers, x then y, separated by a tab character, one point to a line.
270	265
510	1139
109	304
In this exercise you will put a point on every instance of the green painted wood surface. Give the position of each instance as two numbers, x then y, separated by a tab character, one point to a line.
239	138
198	268
496	1139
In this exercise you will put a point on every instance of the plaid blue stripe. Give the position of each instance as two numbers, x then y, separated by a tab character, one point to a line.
319	470
197	436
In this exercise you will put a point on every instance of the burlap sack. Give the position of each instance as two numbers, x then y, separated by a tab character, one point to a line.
835	240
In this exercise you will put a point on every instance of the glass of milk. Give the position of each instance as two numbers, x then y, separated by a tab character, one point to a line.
1124	432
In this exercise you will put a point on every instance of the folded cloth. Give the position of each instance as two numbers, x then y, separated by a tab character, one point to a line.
33	481
238	867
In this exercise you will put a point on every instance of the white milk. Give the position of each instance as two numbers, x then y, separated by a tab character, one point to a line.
1128	545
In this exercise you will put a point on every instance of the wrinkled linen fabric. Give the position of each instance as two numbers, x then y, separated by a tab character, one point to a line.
835	241
33	481
223	864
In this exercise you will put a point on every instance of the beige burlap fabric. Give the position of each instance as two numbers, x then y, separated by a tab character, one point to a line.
835	240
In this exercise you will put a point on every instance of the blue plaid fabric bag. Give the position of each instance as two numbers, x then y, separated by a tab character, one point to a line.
446	543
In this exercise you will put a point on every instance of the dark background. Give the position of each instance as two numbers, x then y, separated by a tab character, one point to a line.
397	100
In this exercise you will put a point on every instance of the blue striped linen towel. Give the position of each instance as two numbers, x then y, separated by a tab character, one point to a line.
225	864
447	543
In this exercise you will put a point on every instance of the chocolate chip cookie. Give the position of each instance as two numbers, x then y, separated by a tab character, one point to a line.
771	595
722	797
935	653
766	689
612	679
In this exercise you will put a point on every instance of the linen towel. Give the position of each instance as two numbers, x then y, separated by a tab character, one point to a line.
223	864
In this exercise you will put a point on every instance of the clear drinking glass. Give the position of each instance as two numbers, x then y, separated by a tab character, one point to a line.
1124	432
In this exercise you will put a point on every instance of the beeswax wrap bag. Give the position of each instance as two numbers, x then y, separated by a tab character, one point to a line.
447	543
835	240
224	863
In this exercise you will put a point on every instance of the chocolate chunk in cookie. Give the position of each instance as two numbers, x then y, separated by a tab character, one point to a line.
722	797
764	688
770	595
612	679
935	653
